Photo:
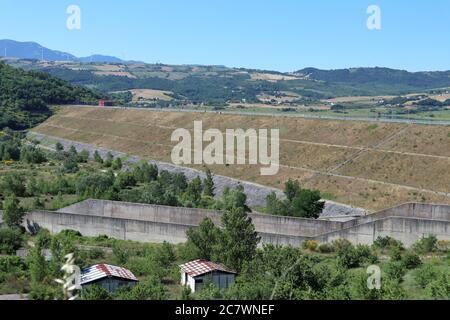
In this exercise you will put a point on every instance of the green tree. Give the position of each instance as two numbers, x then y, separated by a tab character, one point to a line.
13	213
193	193
307	204
83	156
233	199
205	239
145	172
208	184
13	183
109	160
291	189
117	164
37	264
276	206
31	154
70	164
59	147
10	240
238	240
97	157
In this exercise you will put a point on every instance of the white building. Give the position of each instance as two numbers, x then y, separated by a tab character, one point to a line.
196	273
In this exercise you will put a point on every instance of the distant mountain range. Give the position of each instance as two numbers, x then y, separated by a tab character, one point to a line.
33	50
218	84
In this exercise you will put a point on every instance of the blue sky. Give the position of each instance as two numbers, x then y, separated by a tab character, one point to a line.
282	35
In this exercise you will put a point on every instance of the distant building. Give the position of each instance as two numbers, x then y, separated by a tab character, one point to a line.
105	103
196	273
109	277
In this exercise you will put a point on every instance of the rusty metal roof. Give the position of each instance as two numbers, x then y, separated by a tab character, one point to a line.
199	267
99	271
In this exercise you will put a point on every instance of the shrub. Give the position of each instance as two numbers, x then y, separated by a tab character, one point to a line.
83	156
340	244
10	240
443	245
310	245
426	244
365	254
10	264
426	274
68	233
96	253
395	253
348	258
325	248
395	271
411	260
41	291
95	292
353	257
440	287
387	242
152	289
121	253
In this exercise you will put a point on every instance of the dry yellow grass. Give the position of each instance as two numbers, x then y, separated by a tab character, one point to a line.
359	99
109	67
271	77
115	73
150	94
383	165
441	97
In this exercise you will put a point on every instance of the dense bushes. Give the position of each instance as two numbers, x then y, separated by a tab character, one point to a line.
349	256
426	244
24	96
10	240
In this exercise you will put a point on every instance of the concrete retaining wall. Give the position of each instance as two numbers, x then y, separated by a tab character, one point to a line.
149	223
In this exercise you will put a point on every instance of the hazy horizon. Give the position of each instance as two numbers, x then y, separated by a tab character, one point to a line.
282	36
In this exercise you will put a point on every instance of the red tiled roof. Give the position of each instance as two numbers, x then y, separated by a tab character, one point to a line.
100	271
199	267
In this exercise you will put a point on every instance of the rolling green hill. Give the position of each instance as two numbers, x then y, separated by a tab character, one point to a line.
25	96
220	85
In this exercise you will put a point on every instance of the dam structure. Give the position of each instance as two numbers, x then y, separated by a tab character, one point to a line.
152	223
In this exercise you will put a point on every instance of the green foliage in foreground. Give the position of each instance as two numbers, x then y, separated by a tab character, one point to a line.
278	272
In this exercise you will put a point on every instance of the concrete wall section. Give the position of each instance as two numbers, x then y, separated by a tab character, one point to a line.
143	212
407	230
150	223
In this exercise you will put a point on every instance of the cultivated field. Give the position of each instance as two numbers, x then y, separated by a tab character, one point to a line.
369	165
